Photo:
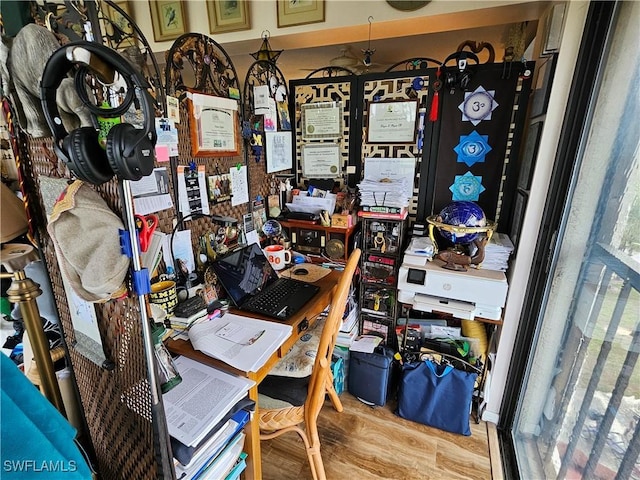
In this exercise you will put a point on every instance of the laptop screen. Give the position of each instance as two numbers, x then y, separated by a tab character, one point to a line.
244	273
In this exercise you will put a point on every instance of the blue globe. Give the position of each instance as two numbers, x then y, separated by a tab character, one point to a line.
462	213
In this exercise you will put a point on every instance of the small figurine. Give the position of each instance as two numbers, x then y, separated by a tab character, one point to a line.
455	260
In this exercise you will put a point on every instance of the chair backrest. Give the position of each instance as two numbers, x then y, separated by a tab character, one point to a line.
320	373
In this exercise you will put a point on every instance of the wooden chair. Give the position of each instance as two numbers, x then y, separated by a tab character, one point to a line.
277	417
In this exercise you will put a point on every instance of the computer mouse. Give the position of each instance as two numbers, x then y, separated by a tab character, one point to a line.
301	271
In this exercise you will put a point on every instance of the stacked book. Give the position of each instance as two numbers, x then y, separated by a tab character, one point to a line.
180	325
384	196
349	328
206	414
497	252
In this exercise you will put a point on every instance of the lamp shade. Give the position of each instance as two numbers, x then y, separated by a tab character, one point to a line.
13	219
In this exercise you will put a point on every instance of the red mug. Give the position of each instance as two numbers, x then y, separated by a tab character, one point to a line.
278	256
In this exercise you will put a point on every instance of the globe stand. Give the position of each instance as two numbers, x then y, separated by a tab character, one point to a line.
456	258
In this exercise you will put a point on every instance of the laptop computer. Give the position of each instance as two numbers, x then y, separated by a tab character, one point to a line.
253	285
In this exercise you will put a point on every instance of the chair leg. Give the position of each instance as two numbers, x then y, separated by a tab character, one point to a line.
333	395
317	466
312	442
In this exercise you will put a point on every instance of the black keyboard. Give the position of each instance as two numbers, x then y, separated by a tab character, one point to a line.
272	300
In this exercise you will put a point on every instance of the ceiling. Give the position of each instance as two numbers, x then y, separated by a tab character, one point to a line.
297	63
393	41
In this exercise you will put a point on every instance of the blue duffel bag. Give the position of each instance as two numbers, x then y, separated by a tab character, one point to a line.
436	395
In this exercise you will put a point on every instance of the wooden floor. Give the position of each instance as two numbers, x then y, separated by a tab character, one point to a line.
372	443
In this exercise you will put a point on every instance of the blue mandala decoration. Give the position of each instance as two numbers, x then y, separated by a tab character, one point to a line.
478	105
472	148
467	187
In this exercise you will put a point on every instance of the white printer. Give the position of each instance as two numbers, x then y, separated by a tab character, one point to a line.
425	285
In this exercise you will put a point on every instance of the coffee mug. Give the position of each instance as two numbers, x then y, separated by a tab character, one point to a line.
164	294
277	255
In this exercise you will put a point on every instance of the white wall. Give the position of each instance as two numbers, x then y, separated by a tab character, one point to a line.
338	15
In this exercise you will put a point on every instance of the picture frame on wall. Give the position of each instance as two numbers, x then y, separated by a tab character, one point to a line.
168	18
228	15
117	21
392	122
213	126
321	120
300	12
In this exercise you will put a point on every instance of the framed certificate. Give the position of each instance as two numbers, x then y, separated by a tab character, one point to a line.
214	126
321	160
321	120
392	122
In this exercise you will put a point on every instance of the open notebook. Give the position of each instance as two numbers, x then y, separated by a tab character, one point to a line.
254	286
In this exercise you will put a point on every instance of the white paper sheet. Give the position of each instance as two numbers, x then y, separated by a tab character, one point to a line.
200	401
279	155
239	185
247	358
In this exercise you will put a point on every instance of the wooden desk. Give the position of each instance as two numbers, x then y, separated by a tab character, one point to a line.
308	316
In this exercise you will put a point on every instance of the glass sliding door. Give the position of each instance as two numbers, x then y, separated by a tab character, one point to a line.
577	407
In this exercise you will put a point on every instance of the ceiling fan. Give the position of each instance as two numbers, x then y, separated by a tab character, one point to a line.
348	60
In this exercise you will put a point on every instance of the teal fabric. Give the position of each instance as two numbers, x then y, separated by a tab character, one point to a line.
36	440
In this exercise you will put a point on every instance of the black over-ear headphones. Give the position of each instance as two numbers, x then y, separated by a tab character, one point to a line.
129	152
460	75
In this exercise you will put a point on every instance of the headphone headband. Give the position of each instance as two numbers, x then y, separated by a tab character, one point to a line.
461	56
60	63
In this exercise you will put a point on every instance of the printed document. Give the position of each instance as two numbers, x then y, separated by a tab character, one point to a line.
200	401
241	342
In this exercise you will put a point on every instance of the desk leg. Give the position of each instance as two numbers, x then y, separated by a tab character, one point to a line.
252	430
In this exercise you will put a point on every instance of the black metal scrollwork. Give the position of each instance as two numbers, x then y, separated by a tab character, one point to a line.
197	62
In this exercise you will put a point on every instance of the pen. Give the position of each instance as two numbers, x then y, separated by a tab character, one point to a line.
255	338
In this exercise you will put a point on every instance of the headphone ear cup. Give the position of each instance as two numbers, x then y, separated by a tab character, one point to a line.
465	79
140	161
450	79
87	159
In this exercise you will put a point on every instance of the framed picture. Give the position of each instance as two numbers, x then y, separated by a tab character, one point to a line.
214	126
321	160
168	19
392	122
321	120
228	15
299	12
278	151
125	36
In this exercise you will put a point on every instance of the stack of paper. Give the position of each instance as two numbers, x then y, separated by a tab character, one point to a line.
201	400
208	451
366	343
151	258
421	246
220	465
385	193
349	329
497	252
308	204
241	342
